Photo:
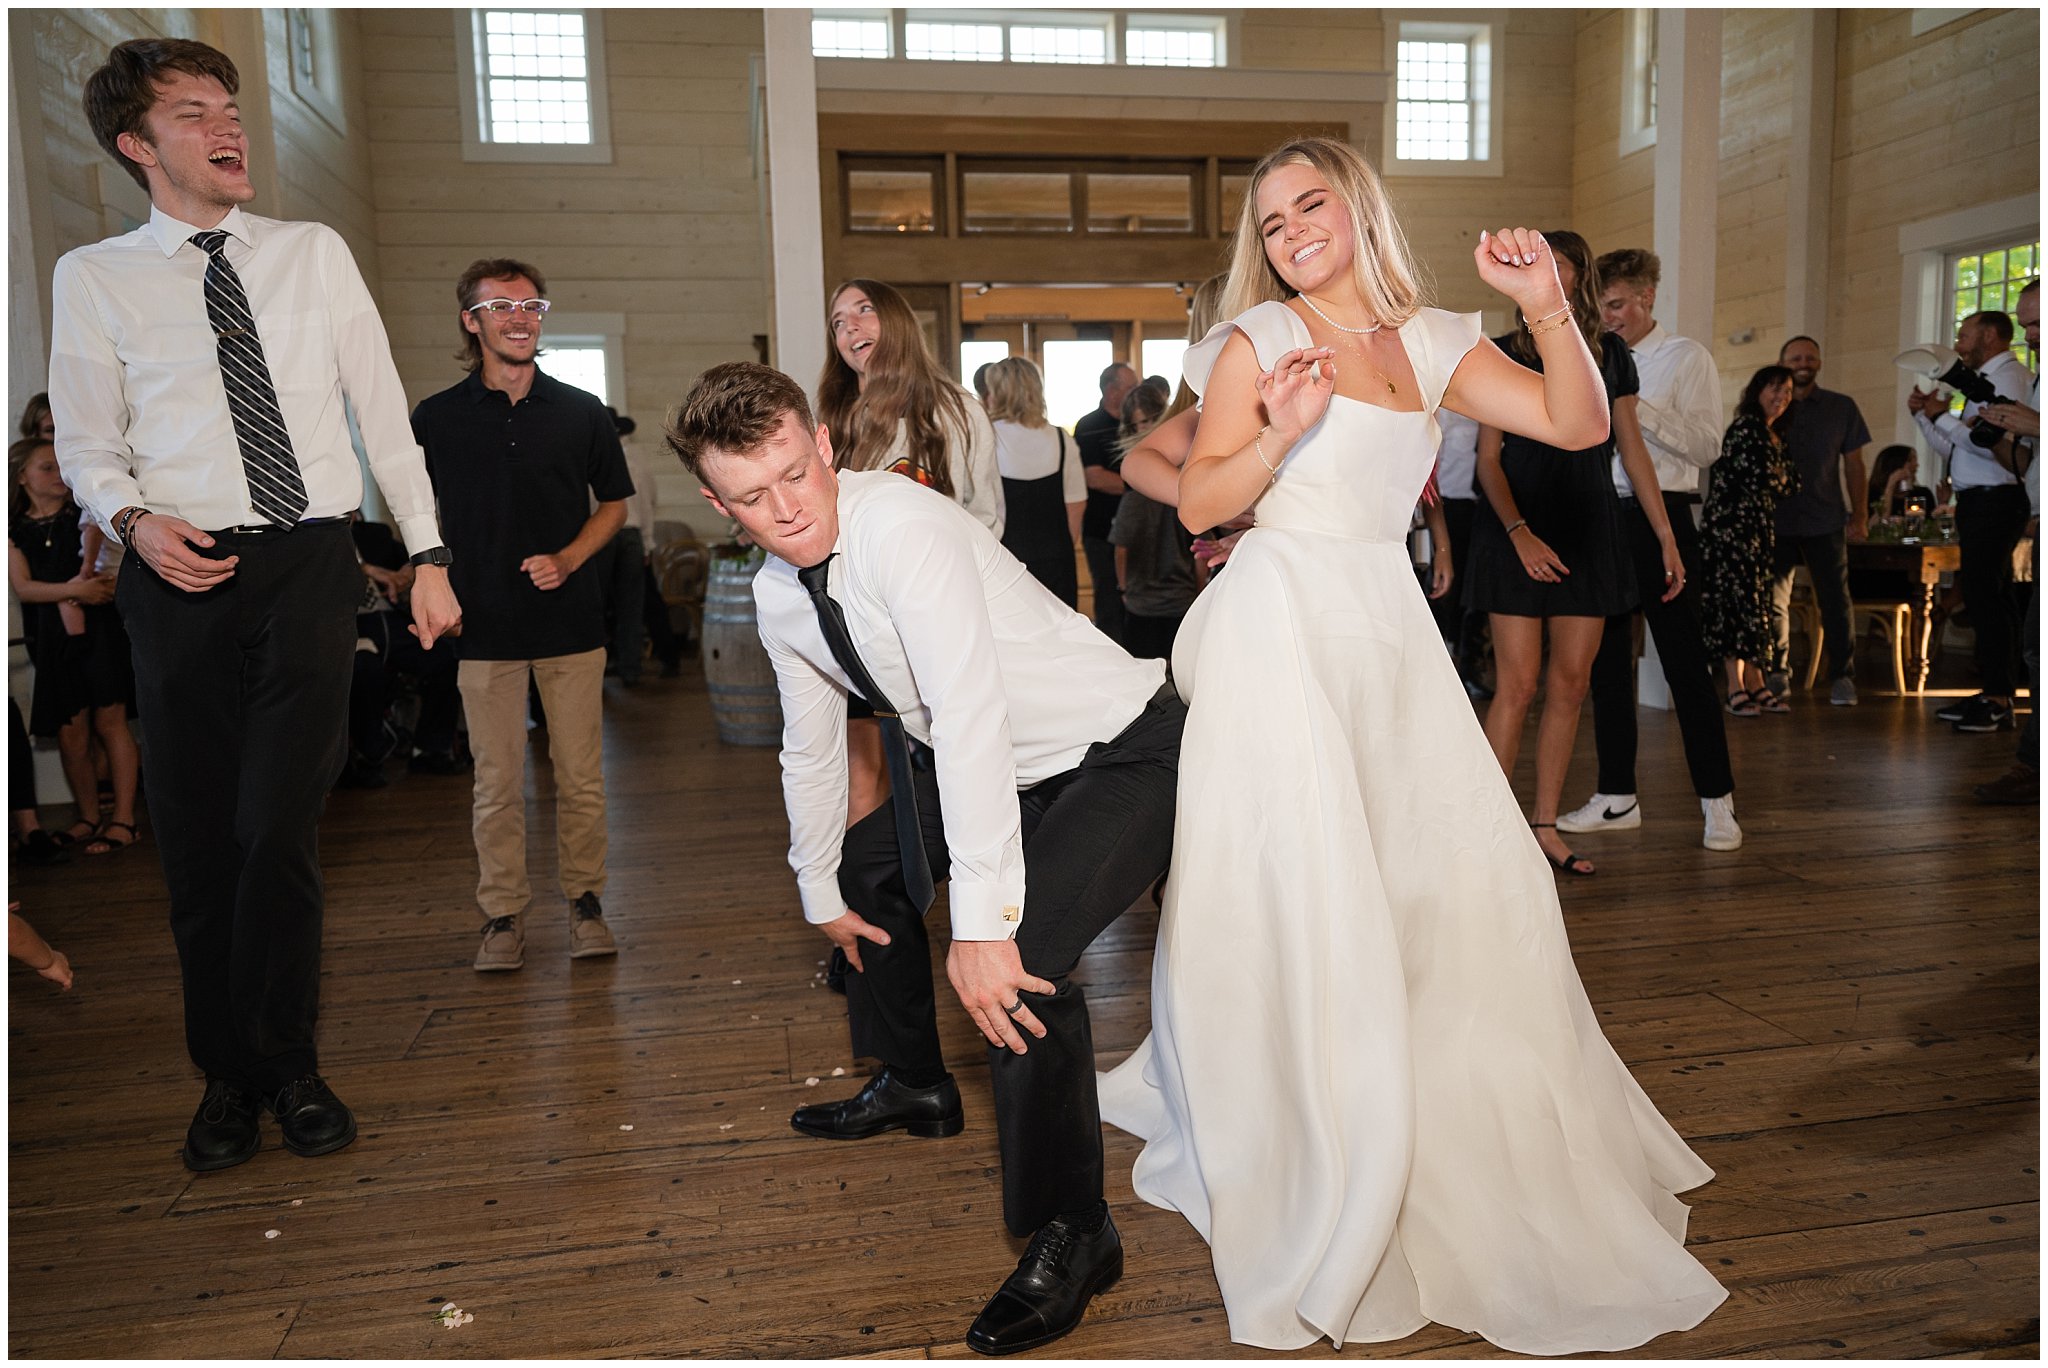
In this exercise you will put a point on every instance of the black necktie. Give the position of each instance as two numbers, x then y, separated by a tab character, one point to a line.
917	870
277	491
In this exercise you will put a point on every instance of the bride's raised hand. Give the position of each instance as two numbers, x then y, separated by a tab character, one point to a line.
1518	263
1296	392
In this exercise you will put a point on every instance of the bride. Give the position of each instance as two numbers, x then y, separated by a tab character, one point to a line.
1374	1082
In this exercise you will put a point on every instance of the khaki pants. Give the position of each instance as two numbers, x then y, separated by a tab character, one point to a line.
494	697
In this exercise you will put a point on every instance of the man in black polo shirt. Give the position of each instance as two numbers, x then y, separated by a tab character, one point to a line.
1095	434
516	458
1824	435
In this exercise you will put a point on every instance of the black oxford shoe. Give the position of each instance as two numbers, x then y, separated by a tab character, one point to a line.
886	1105
313	1119
1049	1293
224	1130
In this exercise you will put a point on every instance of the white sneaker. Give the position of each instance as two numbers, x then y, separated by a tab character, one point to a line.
1604	812
1722	833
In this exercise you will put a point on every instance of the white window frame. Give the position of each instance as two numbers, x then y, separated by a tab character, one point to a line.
888	19
1485	30
1216	25
473	98
591	329
1925	298
1638	123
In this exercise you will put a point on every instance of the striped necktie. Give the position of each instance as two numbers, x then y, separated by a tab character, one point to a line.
277	491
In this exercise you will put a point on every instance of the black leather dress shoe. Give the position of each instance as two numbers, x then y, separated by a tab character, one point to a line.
1049	1293
224	1131
313	1119
886	1105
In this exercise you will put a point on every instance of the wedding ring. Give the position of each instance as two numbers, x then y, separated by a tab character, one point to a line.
1014	1007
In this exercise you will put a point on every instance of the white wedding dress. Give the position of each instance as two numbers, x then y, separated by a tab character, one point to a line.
1374	1083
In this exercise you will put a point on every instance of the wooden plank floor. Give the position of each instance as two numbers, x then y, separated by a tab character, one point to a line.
594	1158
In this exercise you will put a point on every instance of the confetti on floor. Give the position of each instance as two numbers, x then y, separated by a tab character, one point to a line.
298	1201
625	1128
727	1126
451	1315
271	1234
810	1082
839	1073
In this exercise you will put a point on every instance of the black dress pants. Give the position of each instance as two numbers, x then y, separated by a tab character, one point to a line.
1989	524
244	709
1095	838
1675	626
1109	600
398	652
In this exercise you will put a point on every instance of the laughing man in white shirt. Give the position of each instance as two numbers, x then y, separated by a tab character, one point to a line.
1043	760
198	371
1680	410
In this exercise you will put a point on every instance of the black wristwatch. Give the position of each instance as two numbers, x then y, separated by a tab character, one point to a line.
434	555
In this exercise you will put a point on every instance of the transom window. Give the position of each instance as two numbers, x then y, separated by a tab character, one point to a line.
1135	38
1446	120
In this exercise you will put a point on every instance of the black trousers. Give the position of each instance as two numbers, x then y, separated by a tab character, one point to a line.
244	710
1109	600
1461	630
621	568
1989	524
1151	638
376	677
1095	838
1675	626
1827	559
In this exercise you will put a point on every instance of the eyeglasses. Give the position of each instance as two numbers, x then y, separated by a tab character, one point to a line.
501	307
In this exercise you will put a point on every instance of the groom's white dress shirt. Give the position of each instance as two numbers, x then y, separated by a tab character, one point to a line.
1006	684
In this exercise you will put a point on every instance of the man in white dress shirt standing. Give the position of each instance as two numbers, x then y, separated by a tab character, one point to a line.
1680	412
198	371
1991	516
1030	758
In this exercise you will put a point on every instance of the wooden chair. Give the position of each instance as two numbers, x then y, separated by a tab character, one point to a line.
681	568
1892	619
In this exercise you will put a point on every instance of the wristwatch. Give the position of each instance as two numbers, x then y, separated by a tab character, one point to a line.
433	555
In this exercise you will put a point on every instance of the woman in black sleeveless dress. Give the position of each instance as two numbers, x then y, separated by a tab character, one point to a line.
1547	548
1044	493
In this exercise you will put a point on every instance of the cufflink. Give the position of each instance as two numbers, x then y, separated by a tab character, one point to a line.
1012	913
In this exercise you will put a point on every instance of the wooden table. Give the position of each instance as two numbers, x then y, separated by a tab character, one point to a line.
1921	564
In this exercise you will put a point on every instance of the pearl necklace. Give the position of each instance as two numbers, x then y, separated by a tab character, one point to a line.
1392	389
1334	323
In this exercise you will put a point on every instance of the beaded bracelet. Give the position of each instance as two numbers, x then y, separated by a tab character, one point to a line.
1545	325
1259	449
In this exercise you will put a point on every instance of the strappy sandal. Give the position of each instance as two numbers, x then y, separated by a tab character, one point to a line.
68	837
104	844
1576	865
1770	702
1742	703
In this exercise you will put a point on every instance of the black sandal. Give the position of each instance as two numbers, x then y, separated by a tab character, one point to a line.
67	838
1571	863
1769	702
1742	703
104	844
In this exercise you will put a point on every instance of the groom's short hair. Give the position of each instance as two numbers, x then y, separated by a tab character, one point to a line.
733	408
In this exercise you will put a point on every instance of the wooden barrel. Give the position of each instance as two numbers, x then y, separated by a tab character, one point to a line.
736	670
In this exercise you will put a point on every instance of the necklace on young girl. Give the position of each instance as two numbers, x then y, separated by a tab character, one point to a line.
1392	389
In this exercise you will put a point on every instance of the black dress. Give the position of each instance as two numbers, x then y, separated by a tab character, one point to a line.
1569	499
73	673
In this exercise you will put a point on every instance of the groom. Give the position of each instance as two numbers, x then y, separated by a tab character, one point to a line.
1025	752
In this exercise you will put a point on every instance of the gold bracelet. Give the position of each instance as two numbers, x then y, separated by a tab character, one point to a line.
1259	450
1549	327
1547	317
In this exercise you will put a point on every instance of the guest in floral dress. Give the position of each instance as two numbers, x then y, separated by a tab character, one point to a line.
1737	538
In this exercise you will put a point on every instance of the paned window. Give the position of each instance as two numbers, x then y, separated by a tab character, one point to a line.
1074	46
953	42
537	73
1174	47
1433	109
850	36
537	78
1992	280
579	363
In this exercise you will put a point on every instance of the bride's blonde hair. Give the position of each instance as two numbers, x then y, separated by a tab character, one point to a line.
1380	260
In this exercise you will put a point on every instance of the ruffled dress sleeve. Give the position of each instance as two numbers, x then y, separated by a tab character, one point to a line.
1273	328
1438	341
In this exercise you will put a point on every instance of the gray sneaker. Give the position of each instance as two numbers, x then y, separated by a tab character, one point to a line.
588	935
1843	693
503	948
